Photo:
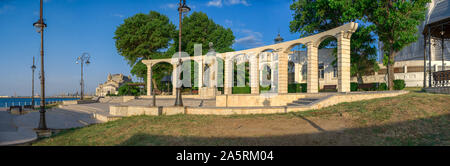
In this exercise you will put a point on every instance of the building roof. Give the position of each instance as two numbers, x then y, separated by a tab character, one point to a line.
440	12
439	20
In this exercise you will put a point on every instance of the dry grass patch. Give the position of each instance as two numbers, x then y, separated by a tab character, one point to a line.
410	119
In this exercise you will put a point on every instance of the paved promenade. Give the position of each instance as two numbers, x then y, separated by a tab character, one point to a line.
17	129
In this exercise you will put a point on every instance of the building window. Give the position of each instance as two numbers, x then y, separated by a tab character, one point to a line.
335	70
321	71
304	71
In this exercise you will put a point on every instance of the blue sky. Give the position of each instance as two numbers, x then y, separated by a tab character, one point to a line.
77	26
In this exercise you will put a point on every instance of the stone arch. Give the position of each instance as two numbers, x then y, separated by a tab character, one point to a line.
165	68
240	73
291	46
325	59
193	75
321	39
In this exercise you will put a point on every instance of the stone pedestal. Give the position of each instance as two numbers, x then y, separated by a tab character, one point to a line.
43	133
207	92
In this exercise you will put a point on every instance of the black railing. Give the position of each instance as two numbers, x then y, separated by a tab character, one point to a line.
441	78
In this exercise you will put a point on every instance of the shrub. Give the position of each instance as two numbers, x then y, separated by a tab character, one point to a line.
111	94
292	88
241	90
353	86
127	90
399	84
303	87
297	88
264	88
382	87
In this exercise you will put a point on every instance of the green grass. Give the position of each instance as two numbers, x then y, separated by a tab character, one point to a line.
411	119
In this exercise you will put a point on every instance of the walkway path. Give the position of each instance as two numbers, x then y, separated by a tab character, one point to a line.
18	129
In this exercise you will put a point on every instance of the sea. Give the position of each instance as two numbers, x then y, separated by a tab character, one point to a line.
6	102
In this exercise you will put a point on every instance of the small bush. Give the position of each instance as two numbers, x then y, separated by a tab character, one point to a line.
127	90
304	87
241	90
353	86
399	84
297	88
382	87
292	88
262	89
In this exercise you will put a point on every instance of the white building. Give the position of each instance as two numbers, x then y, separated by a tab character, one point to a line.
111	86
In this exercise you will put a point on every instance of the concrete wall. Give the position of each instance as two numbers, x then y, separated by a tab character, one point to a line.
256	100
116	99
442	90
325	102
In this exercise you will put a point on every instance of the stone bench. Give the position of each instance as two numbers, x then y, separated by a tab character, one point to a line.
329	87
366	86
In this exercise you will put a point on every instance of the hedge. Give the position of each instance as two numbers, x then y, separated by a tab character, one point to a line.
399	84
241	90
297	88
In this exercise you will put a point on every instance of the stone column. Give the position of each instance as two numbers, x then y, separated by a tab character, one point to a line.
254	74
174	79
343	55
200	73
283	61
149	79
297	70
228	77
312	76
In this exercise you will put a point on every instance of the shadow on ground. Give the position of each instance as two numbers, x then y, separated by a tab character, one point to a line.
424	131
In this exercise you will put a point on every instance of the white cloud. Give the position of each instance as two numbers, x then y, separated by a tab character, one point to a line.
237	2
228	22
251	39
216	3
170	6
219	3
118	15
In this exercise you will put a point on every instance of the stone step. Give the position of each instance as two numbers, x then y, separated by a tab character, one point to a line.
105	118
303	101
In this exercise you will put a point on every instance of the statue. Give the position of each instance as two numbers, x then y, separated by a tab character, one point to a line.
211	49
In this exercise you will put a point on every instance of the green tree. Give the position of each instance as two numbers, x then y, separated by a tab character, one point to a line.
396	26
363	53
144	36
197	28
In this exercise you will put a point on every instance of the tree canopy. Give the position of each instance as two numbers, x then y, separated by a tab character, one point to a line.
144	36
153	36
197	28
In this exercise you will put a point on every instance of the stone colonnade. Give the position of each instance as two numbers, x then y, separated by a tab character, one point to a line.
282	50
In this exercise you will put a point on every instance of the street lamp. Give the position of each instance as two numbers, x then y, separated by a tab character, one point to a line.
40	25
84	58
32	84
182	8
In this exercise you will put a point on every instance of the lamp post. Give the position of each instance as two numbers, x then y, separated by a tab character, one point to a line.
40	25
84	58
32	84
442	46
183	8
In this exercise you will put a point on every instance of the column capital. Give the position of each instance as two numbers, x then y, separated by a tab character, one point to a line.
344	34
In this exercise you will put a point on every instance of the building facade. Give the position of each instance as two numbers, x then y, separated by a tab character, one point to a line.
111	86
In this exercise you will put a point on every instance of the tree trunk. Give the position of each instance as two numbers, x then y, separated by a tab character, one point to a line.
390	66
360	79
154	83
